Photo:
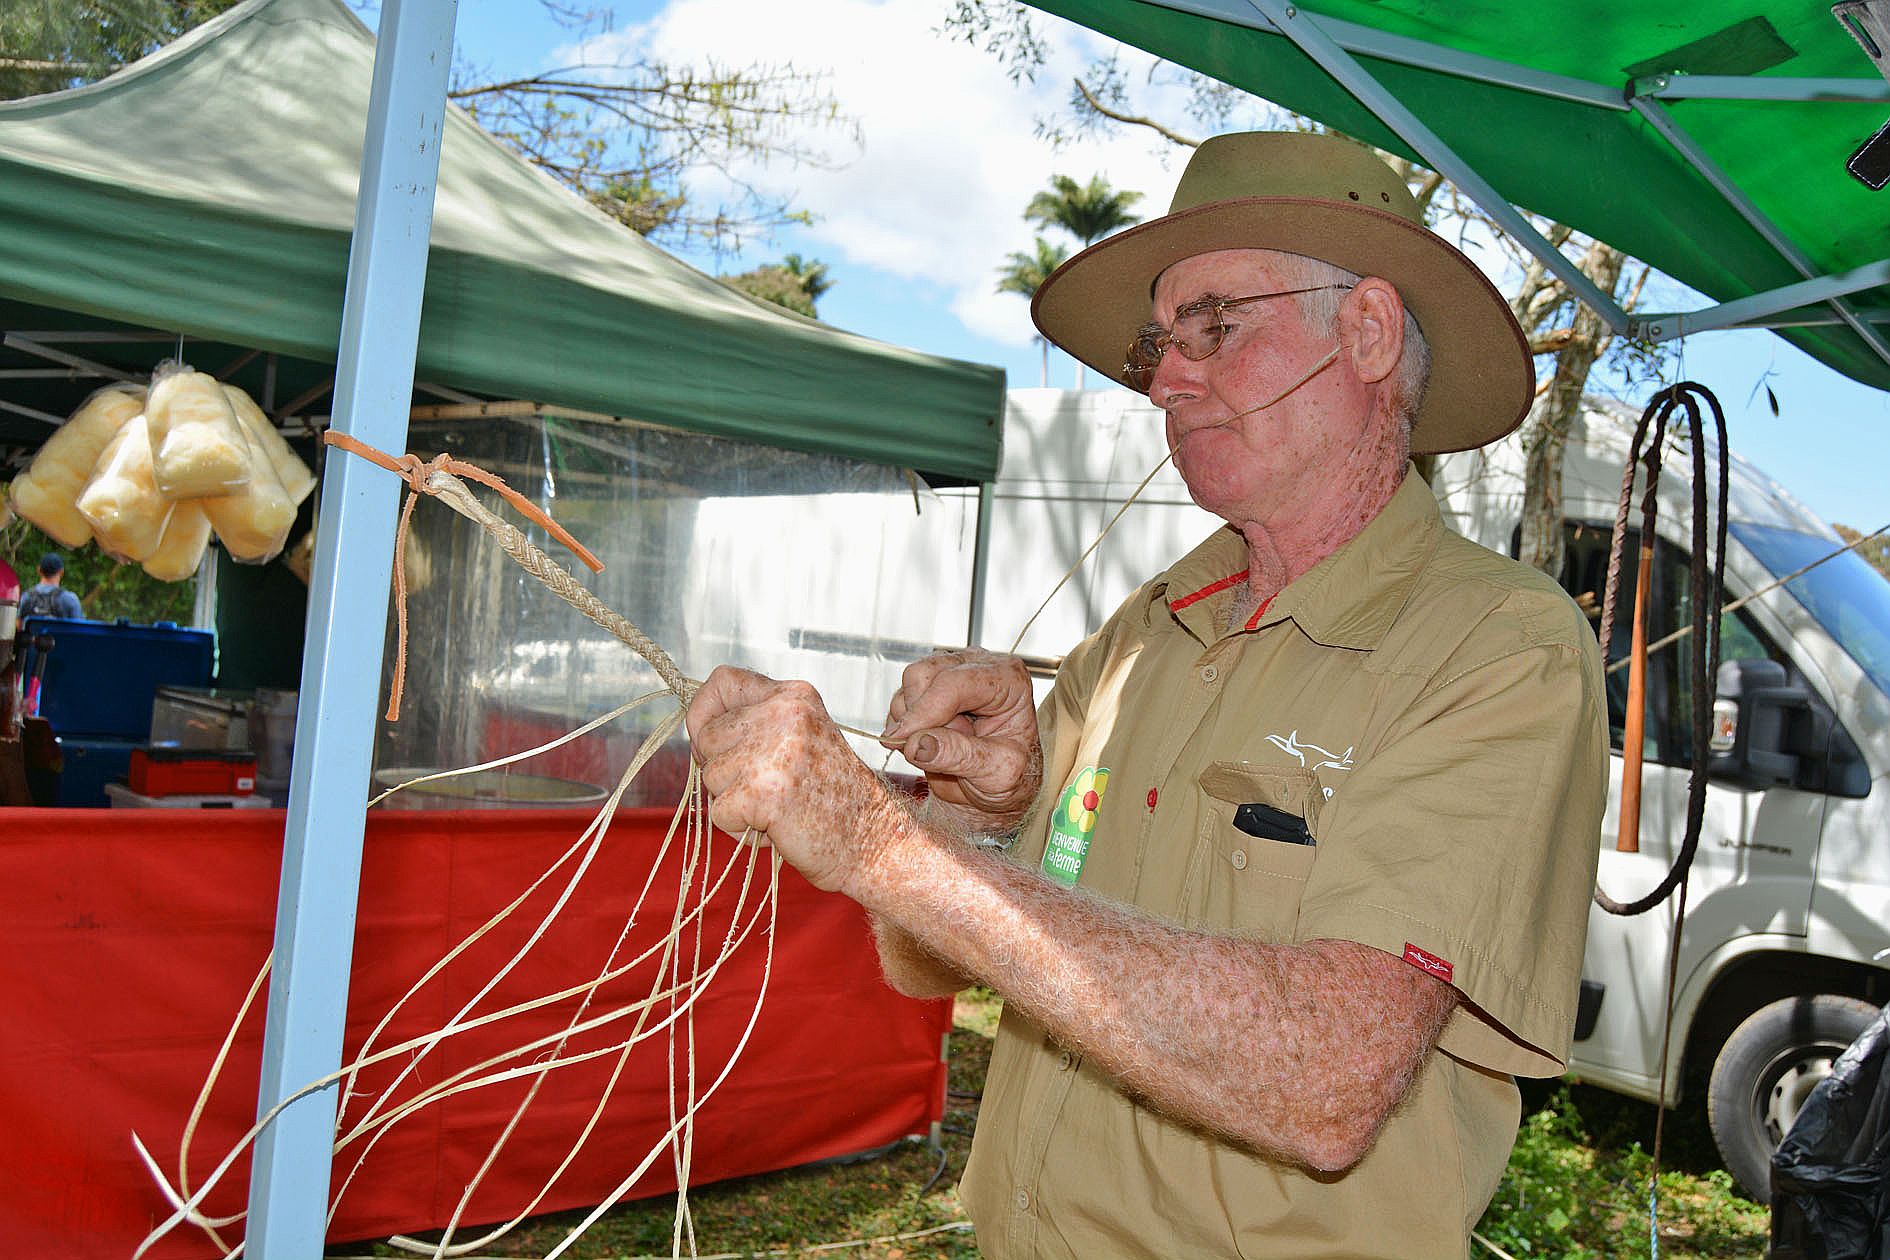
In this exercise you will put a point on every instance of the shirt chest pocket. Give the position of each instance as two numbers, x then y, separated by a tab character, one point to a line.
1255	850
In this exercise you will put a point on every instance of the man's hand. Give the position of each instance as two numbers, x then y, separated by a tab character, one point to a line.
968	720
775	763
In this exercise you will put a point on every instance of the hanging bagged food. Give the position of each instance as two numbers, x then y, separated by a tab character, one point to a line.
296	478
47	492
253	523
180	549
197	443
121	501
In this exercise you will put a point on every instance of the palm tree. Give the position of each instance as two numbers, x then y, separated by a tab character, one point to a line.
1088	212
795	283
811	275
1024	274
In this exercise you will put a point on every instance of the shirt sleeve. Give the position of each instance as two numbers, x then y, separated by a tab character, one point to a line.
1466	844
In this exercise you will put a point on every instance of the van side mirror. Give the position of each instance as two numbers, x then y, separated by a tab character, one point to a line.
1758	724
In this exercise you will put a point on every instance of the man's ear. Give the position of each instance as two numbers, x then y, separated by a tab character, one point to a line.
1371	325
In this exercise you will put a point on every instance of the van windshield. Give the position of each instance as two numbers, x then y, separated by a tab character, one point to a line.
1848	598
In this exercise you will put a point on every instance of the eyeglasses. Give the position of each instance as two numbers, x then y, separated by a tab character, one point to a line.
1198	332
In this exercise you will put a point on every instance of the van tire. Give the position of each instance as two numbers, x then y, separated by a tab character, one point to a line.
1765	1071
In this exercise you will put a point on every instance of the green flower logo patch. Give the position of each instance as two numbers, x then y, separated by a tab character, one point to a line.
1071	825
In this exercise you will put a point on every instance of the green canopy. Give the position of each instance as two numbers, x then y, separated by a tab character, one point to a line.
1709	140
208	190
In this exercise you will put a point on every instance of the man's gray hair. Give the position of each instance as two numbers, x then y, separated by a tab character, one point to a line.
1320	311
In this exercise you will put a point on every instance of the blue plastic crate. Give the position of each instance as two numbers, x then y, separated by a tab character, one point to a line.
89	765
100	677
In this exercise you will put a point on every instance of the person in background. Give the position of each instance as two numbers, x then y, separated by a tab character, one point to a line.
49	598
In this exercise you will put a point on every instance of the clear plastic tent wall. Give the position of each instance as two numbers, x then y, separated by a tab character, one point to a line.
799	566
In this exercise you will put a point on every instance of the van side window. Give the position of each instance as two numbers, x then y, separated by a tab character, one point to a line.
1669	698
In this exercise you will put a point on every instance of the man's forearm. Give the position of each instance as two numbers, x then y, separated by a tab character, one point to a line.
1299	1051
911	968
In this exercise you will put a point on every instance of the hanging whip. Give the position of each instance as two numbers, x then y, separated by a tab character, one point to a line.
1705	587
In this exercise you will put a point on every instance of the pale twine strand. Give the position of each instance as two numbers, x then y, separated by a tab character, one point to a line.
188	1209
593	836
445	1246
454	493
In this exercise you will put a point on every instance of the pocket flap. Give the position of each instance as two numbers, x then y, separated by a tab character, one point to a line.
1294	791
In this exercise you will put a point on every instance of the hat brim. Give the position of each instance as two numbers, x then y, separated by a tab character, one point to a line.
1481	382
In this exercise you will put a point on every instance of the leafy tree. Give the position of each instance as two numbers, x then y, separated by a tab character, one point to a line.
106	589
46	45
794	282
1876	551
625	133
1024	274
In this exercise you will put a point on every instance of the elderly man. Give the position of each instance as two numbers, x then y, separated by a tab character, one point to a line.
1311	819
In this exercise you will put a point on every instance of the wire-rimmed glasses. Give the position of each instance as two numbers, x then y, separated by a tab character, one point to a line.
1198	331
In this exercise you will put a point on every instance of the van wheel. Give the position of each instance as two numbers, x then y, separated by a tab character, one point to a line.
1766	1070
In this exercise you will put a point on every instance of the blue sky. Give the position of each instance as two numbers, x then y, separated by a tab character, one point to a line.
914	221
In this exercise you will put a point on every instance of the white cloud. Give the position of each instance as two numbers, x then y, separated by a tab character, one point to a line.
949	155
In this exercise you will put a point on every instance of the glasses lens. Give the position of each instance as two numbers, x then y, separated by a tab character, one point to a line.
1198	330
1145	354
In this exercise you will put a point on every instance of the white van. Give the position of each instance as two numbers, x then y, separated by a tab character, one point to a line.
1788	910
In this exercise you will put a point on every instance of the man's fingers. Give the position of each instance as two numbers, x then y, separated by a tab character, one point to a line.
726	689
980	687
991	767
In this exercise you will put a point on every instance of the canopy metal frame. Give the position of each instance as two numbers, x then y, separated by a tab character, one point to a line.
1336	47
341	665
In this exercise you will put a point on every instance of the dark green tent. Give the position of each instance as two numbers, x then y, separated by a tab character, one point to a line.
208	190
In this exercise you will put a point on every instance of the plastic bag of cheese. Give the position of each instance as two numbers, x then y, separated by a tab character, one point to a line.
296	478
253	523
47	492
197	443
180	549
121	501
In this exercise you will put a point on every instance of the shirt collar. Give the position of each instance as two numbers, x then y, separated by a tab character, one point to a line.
1350	599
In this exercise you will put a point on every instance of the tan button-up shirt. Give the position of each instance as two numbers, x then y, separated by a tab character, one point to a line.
1407	748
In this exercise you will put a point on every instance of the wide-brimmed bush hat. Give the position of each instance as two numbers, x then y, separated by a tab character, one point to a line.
1329	198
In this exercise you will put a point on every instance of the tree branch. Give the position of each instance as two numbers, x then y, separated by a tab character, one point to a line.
74	68
1134	120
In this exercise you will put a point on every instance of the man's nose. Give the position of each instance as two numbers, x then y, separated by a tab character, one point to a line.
1176	378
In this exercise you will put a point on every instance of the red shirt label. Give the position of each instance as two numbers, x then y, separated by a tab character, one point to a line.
1426	961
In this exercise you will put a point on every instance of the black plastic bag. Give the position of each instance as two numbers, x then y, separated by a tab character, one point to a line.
1831	1174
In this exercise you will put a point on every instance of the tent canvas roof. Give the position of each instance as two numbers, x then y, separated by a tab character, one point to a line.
1706	139
209	189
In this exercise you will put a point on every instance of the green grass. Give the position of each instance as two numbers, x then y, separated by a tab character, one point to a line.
1576	1187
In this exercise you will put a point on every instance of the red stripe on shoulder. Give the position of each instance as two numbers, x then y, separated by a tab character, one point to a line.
1212	588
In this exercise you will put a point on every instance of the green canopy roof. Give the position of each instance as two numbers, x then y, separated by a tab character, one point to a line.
1709	140
209	190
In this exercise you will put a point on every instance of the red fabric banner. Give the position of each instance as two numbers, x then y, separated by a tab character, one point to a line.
131	937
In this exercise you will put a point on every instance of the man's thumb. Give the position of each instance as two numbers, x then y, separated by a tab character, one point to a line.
939	751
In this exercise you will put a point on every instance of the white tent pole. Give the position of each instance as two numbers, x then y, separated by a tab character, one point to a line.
341	665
